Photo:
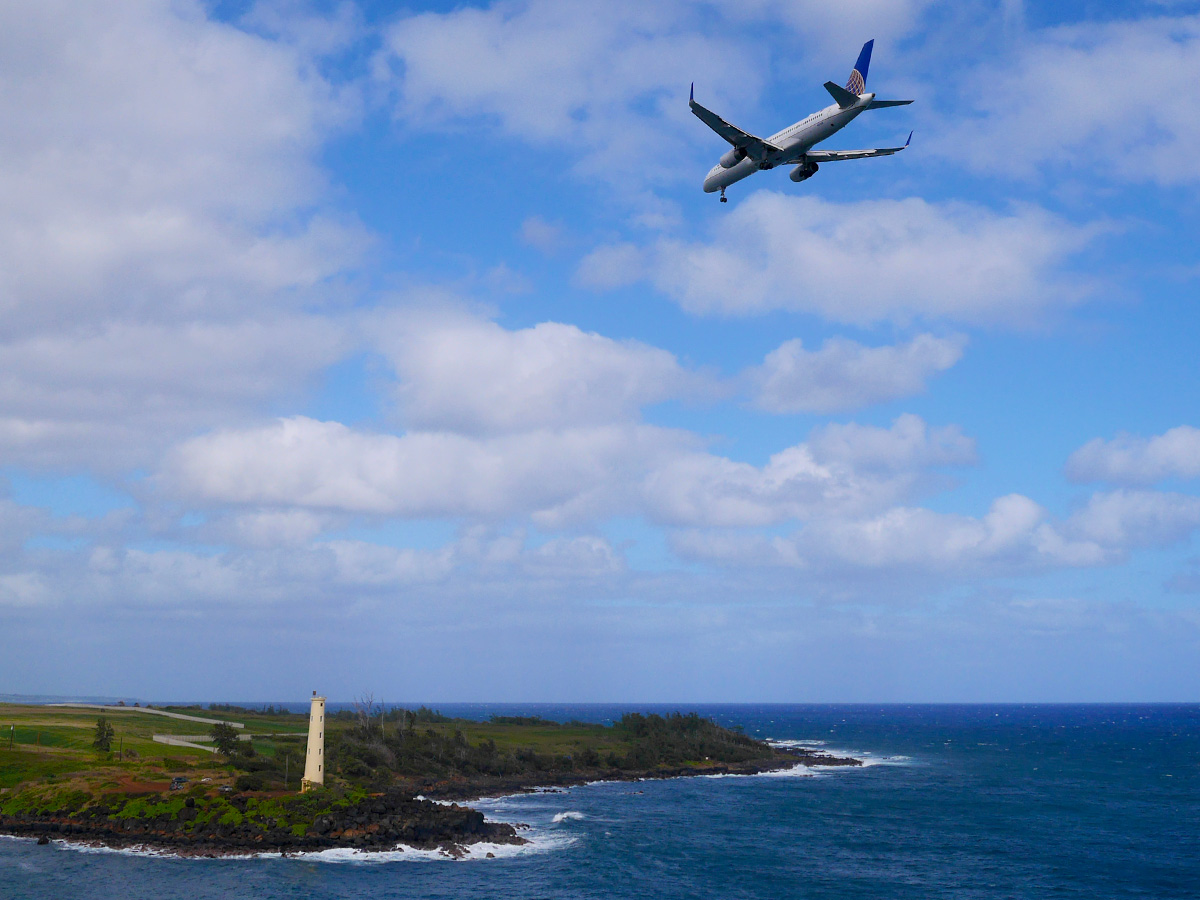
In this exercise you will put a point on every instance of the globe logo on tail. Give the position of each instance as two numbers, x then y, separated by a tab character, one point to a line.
856	85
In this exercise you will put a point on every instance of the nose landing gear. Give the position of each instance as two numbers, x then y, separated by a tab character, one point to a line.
724	199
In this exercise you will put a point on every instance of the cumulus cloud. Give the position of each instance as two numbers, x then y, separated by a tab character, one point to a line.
863	262
1125	519
559	476
1129	459
117	394
841	470
604	81
1012	537
156	162
1099	76
1016	536
325	465
844	375
464	373
162	217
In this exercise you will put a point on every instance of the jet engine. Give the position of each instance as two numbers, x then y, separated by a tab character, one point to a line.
733	157
804	171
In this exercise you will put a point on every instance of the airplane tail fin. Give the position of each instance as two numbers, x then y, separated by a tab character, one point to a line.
857	83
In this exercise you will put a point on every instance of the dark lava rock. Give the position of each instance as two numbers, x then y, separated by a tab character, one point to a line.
376	823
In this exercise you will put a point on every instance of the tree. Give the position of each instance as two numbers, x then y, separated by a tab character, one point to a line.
104	735
365	715
225	736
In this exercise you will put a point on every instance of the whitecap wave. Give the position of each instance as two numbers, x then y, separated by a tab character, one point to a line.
472	852
568	815
432	800
866	757
480	851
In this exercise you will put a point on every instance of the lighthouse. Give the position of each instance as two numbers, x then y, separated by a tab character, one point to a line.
314	759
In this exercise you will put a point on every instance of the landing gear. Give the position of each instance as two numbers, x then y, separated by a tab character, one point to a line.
724	199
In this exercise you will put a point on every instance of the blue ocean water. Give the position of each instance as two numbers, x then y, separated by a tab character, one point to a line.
962	801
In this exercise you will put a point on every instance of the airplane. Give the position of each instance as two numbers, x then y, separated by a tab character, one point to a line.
792	146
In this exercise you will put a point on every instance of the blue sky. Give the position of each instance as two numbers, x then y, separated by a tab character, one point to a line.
358	346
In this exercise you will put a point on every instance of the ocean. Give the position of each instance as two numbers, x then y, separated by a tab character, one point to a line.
971	801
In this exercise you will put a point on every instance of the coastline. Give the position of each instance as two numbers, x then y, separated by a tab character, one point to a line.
396	820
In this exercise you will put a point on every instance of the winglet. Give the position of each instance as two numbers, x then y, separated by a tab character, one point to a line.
909	141
858	77
692	94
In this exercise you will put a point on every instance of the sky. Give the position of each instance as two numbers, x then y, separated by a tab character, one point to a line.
367	347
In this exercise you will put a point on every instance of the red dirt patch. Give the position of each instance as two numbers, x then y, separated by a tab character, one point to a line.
142	787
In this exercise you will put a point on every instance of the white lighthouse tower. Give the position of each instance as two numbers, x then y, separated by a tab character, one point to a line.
314	759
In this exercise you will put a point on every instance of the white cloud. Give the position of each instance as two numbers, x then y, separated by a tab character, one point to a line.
366	564
606	81
162	215
864	262
836	24
156	163
324	465
298	22
463	373
843	470
24	589
845	375
273	528
1128	459
117	394
1013	537
1104	81
559	476
1126	519
1016	536
909	444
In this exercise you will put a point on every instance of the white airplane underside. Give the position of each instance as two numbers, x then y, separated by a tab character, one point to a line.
793	146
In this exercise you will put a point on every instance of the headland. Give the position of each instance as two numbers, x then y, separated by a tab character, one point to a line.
395	777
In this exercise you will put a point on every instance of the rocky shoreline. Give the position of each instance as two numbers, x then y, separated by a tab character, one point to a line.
385	821
469	789
380	822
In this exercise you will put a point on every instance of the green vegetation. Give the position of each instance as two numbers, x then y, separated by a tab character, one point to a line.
104	735
111	776
225	737
428	746
196	810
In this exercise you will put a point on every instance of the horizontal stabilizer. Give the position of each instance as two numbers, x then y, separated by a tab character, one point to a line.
880	104
841	96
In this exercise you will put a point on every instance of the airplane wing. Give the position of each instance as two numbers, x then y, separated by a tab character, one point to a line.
821	156
756	148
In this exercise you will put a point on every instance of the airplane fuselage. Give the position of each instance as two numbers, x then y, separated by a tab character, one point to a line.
792	141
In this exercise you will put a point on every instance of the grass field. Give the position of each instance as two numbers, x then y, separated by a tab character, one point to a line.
51	746
39	742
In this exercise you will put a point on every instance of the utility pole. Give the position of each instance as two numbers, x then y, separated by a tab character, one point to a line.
12	730
121	752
